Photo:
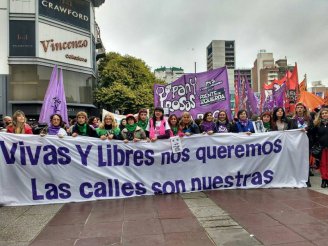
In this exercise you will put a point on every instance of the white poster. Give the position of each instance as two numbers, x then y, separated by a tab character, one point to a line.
64	46
42	170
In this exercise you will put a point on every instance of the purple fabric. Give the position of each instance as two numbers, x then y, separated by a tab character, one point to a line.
251	103
246	96
53	130
207	126
279	95
195	93
54	99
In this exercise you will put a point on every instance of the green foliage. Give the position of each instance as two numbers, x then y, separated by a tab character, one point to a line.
125	83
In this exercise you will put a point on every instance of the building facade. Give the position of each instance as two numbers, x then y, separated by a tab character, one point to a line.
220	53
168	74
265	69
39	34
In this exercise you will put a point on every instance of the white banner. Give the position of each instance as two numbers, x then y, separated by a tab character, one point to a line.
43	170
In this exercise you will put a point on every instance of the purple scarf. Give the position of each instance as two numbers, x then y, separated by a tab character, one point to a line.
53	130
208	126
244	122
300	120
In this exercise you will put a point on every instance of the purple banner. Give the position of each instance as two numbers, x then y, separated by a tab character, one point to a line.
195	93
54	99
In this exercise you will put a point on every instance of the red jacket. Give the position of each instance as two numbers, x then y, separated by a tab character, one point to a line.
27	129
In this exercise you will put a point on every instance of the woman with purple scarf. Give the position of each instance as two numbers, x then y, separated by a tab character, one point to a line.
243	124
207	125
55	127
222	124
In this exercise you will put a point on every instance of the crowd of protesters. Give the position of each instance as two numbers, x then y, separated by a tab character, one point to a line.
140	127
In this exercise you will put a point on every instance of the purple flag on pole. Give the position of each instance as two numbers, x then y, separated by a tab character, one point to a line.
251	101
61	106
195	93
279	96
54	99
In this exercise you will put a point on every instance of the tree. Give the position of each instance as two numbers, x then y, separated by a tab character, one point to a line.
125	83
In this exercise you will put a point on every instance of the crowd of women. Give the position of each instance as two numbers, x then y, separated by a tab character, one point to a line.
140	127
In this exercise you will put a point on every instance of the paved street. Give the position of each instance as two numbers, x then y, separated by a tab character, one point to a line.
232	217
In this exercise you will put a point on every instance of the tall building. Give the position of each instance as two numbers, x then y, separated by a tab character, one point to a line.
263	70
168	74
220	53
38	34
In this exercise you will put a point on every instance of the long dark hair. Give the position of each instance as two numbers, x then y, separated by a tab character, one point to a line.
274	115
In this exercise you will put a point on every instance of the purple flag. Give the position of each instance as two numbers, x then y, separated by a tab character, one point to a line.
54	99
279	95
195	93
251	101
61	106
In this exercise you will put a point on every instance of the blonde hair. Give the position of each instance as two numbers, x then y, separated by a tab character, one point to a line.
181	123
317	120
111	116
82	113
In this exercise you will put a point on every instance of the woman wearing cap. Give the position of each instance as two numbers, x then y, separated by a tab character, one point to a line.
19	125
187	125
109	128
158	127
56	127
82	128
132	132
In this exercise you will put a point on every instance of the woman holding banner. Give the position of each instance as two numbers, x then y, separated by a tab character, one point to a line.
279	120
266	119
243	124
187	125
158	127
19	125
56	127
132	132
223	124
109	129
207	125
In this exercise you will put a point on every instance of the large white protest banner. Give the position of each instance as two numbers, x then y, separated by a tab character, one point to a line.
41	170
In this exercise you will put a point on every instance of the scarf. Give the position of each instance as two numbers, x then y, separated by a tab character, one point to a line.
324	121
174	130
53	130
143	124
131	128
152	128
207	126
267	125
244	122
300	120
82	129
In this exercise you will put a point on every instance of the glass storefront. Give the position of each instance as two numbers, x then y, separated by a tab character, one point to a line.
30	82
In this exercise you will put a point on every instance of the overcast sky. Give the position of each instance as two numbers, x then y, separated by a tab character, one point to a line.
177	32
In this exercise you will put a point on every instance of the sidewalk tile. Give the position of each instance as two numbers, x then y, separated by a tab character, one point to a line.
110	229
60	232
187	239
181	225
141	227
